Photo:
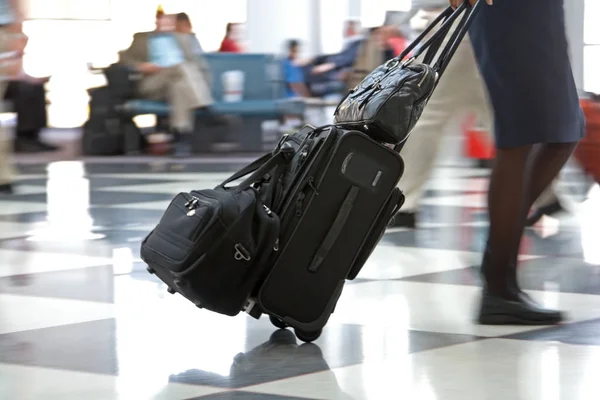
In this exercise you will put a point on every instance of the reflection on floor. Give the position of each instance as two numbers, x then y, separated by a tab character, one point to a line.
81	319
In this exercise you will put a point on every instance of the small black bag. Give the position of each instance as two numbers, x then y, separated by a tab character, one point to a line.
387	104
212	245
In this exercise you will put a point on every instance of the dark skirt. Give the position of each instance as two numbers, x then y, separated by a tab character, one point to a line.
522	51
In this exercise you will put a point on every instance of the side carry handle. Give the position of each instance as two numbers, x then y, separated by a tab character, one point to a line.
335	230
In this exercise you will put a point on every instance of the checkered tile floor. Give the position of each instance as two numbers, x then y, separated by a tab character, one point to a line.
81	319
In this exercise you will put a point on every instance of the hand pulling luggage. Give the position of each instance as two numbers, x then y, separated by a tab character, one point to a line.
388	102
305	219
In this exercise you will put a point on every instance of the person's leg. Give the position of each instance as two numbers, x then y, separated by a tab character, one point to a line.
506	196
419	155
30	106
547	204
461	88
547	161
6	167
524	173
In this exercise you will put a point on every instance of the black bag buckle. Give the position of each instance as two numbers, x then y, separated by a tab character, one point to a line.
393	63
241	253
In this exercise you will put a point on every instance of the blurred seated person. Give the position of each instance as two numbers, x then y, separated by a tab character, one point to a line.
373	52
172	72
231	42
183	25
295	86
325	73
293	73
28	98
395	39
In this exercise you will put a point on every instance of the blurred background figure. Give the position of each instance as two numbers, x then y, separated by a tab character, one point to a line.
183	25
460	91
12	46
372	52
293	73
173	71
325	74
231	41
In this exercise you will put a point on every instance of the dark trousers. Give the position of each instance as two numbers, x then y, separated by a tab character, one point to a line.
29	102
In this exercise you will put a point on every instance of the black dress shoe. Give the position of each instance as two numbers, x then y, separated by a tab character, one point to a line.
548	210
404	220
522	310
6	188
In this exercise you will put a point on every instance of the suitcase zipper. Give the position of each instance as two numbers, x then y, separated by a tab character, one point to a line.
311	184
192	205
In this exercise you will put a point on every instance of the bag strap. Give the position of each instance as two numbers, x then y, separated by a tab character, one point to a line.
278	159
458	35
415	43
248	169
336	229
445	21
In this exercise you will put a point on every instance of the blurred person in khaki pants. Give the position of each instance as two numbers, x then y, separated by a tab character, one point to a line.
460	90
173	71
12	44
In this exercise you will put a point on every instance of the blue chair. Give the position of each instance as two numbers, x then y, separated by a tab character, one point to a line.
263	98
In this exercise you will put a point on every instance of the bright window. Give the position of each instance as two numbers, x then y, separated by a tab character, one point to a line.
373	11
209	18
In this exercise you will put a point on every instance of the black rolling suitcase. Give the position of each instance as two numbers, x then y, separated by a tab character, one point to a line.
332	218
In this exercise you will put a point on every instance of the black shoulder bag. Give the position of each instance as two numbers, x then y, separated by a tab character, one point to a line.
387	104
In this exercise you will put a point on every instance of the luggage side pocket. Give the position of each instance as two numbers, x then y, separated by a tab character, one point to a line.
392	206
184	230
223	277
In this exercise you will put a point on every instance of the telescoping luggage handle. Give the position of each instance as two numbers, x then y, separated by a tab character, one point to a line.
445	21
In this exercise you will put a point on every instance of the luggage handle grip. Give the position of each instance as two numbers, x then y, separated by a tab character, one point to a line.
335	230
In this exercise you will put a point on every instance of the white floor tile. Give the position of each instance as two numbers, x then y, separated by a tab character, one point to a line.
20	207
15	262
29	189
478	200
393	262
459	184
22	313
441	308
14	229
493	369
33	383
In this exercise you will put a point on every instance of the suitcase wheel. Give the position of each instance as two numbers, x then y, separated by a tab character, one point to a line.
150	270
277	322
171	290
308	336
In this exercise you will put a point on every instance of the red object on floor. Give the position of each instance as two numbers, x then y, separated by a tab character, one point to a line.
587	152
478	146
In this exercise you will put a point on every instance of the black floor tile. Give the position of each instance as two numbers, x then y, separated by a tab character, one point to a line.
88	284
241	395
580	333
565	275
